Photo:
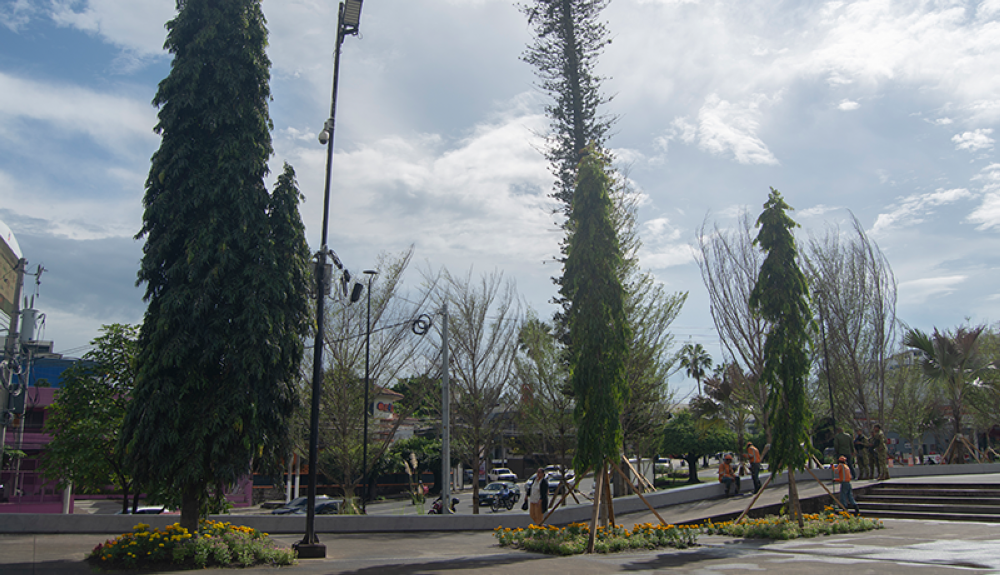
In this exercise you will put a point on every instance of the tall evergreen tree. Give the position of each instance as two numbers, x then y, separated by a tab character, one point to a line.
598	325
781	296
225	267
568	40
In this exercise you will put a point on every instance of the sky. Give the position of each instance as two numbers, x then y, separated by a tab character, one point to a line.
887	109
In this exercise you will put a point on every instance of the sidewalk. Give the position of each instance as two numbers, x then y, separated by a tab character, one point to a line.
904	547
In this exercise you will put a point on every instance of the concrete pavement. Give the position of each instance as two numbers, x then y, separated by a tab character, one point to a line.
903	547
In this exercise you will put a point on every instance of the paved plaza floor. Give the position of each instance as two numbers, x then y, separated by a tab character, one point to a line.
909	547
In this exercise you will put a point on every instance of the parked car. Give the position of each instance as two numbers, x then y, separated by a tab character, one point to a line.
501	474
554	470
150	510
298	505
489	493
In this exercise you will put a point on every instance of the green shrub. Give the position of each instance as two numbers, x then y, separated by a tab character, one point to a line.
215	544
572	539
828	522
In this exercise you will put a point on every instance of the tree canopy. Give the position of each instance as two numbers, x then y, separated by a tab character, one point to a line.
683	437
86	418
598	326
781	296
225	267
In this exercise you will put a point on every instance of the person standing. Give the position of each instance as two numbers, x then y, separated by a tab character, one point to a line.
843	446
860	461
727	476
538	497
753	456
842	475
881	452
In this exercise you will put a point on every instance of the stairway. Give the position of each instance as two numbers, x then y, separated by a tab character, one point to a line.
943	501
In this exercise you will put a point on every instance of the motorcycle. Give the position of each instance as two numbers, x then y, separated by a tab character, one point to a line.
502	500
436	506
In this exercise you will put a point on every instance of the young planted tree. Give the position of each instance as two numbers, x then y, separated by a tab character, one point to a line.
598	326
781	296
225	267
86	418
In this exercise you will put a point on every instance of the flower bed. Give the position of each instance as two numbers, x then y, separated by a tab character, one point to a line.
215	544
828	522
572	539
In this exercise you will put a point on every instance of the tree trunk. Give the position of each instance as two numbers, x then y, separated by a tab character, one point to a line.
190	508
692	461
124	496
794	507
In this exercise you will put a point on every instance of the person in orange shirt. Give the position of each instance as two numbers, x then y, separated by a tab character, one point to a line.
727	476
753	456
842	475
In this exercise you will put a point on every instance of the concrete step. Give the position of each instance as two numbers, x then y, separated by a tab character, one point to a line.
947	502
885	514
929	508
932	499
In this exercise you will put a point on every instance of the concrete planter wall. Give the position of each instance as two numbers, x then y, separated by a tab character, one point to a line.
115	524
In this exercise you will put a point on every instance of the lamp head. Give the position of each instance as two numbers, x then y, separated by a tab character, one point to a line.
351	19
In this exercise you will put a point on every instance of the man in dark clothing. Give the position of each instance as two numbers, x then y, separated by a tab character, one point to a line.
843	446
860	446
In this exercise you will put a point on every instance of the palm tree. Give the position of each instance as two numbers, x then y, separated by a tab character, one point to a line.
696	361
953	359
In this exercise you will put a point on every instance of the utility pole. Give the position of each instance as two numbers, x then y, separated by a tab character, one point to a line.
11	347
445	418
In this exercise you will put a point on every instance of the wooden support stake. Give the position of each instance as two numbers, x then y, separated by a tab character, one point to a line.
643	499
563	500
642	479
608	500
598	488
756	496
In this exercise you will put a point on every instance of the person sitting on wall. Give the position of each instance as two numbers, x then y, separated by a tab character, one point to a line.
727	476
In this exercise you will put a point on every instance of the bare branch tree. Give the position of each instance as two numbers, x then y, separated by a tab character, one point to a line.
854	295
484	320
729	266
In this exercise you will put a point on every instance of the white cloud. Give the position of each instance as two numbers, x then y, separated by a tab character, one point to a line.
921	290
485	195
911	209
817	210
724	127
661	245
848	105
987	214
976	140
114	122
16	14
136	27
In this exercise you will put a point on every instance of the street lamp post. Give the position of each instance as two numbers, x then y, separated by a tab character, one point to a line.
368	333
348	21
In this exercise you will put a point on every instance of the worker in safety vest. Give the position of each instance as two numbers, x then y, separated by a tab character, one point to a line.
753	456
727	476
842	475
